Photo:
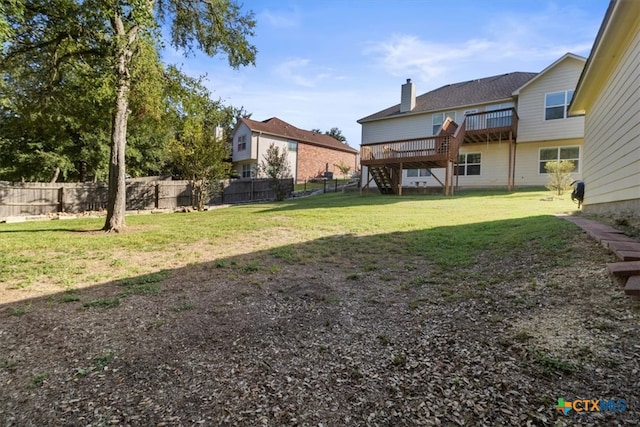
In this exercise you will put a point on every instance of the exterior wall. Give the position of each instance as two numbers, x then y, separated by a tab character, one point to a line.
242	155
612	136
256	151
261	143
532	125
415	126
527	171
313	161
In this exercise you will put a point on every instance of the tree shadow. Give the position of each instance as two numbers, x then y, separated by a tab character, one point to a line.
320	330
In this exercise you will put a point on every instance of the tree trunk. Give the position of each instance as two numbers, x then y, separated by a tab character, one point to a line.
56	173
116	204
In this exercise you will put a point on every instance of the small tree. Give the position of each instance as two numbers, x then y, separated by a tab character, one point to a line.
344	169
200	158
276	167
559	175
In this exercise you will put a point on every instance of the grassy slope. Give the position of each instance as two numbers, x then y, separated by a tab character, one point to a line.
452	231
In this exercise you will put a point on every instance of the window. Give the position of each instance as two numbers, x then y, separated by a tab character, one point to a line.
558	153
242	142
293	146
500	118
247	171
413	173
469	164
556	105
438	119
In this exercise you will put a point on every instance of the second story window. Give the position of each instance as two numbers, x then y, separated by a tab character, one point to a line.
292	146
439	118
556	104
242	142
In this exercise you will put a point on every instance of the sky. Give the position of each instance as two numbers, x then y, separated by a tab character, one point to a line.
328	63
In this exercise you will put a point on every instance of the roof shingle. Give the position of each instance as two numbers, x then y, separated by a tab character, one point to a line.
454	95
276	127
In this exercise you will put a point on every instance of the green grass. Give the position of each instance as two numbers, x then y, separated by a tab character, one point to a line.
451	232
39	379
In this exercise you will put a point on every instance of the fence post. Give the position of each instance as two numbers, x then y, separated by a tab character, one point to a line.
324	186
336	186
157	196
61	199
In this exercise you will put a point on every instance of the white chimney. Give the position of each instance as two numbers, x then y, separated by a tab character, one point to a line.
408	97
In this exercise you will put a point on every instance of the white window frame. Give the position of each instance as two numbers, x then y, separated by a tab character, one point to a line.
435	127
558	151
248	171
568	95
464	165
420	173
292	145
242	143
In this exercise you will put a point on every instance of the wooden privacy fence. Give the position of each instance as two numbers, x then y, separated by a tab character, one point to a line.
39	198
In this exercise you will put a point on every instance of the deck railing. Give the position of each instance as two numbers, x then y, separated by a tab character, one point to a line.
489	120
439	146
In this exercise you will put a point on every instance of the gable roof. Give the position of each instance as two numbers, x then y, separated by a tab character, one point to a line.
472	92
550	67
276	127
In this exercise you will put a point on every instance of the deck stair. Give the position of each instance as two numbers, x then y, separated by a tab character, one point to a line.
382	177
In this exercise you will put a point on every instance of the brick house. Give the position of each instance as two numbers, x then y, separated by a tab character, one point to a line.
310	154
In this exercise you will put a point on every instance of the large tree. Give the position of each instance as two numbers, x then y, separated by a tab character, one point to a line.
75	31
198	149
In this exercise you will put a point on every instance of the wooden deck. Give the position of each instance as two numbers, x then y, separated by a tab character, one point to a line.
388	159
412	153
491	126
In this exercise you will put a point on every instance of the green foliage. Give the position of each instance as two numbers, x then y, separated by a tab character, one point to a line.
275	166
197	151
39	379
335	133
559	179
82	78
343	168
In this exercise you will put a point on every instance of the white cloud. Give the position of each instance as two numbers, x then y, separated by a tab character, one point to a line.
300	71
280	19
511	42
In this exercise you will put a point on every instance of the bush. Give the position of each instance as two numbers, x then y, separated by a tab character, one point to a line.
559	175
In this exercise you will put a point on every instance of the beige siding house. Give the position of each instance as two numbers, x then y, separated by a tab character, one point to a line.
608	93
545	129
506	128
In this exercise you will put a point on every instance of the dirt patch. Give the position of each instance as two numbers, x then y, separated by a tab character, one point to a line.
273	338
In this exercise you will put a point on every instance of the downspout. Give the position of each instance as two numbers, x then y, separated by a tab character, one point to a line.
295	178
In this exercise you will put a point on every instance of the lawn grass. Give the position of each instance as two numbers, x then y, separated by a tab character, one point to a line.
451	231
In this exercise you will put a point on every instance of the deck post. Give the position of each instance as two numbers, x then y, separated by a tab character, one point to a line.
512	163
447	178
400	180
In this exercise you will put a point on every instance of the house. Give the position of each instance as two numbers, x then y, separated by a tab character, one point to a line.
608	93
310	154
497	131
